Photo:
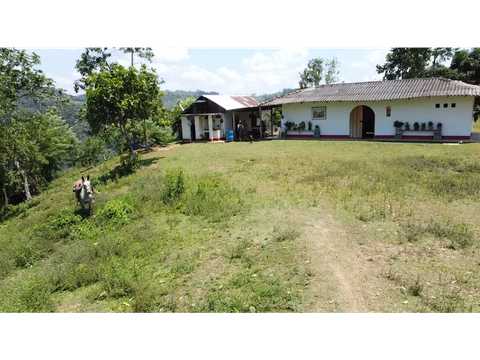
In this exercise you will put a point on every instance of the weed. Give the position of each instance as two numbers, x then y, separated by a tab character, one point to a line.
117	211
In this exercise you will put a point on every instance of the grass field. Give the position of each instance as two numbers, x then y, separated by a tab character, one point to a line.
273	226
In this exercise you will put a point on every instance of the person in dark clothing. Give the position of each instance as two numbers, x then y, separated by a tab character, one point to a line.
247	132
240	131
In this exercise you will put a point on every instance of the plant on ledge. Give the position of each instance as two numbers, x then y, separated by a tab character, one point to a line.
430	125
424	126
309	125
439	126
416	125
397	124
301	126
407	126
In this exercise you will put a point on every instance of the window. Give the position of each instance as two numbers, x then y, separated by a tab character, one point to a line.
445	105
454	105
437	106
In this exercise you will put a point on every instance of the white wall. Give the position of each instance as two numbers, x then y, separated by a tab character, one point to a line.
456	121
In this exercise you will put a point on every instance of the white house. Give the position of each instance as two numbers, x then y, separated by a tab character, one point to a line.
213	117
368	109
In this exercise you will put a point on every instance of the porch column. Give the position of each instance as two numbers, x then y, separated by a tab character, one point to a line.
196	119
210	127
260	116
234	126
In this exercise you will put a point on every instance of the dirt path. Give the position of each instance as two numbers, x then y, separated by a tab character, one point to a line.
340	281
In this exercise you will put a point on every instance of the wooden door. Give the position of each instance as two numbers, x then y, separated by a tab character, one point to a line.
356	117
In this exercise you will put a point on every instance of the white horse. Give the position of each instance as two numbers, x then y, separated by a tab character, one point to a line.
84	192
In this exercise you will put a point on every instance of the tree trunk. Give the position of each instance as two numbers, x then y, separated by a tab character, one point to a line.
147	147
5	194
28	197
127	137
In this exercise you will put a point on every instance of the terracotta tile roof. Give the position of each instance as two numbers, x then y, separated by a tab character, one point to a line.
377	91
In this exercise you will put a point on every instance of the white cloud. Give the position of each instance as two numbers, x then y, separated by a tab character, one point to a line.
170	54
64	82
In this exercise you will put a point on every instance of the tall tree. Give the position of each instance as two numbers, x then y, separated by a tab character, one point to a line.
118	96
319	69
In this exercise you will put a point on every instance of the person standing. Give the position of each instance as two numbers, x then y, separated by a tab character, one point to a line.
283	124
240	131
247	132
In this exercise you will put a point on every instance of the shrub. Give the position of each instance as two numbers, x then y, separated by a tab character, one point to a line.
117	211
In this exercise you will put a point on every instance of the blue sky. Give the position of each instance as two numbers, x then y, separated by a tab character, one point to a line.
230	71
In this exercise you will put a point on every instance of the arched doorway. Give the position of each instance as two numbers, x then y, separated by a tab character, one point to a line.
362	123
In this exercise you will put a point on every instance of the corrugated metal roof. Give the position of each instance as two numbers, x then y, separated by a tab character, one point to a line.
377	91
233	102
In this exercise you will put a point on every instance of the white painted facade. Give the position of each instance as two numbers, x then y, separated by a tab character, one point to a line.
211	124
457	121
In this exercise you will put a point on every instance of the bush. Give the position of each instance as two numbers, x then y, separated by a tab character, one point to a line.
117	211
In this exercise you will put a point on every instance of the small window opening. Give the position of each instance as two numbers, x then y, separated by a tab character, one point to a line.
454	105
445	105
437	105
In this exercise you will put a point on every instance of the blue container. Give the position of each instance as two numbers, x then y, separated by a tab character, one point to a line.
229	135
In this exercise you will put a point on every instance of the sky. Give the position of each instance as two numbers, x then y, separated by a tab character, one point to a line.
229	71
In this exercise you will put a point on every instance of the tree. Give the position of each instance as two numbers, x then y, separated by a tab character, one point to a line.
318	69
96	58
19	78
118	96
412	61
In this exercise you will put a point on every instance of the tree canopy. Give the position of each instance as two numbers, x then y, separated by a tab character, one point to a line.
95	60
319	69
118	96
32	146
408	63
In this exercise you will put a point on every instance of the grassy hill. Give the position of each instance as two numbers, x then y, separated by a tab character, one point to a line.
273	226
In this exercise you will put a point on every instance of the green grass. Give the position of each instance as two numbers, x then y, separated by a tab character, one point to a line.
221	228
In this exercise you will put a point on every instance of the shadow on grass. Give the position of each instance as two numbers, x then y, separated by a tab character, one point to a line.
122	171
84	214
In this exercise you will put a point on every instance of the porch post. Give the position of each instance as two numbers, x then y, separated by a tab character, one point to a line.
234	126
260	116
210	127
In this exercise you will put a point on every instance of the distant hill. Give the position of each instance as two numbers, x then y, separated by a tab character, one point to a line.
81	128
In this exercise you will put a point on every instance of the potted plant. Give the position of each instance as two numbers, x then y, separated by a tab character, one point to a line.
301	126
317	127
424	126
289	125
397	124
416	125
294	126
407	126
430	125
439	126
309	125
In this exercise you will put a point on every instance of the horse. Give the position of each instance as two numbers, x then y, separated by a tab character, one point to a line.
84	192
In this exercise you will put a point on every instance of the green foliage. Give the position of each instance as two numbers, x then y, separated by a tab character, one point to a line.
405	63
319	69
19	77
98	59
32	294
128	164
28	141
120	96
93	151
117	211
173	185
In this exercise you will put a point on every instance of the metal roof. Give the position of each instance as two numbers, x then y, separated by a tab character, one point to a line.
377	91
233	102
